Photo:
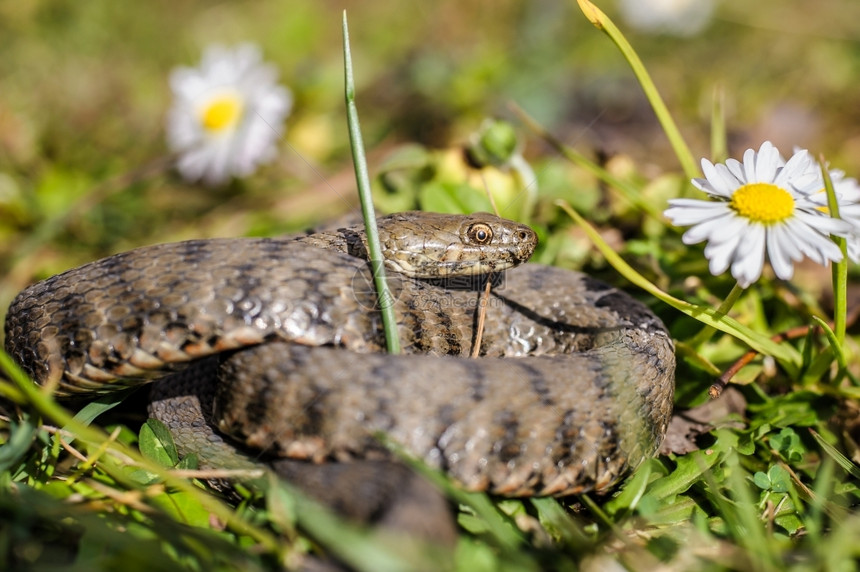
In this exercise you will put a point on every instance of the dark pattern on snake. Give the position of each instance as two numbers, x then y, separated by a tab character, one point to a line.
573	390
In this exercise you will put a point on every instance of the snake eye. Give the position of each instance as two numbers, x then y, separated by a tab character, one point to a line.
480	233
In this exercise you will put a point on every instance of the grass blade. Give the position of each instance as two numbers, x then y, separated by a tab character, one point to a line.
362	180
789	356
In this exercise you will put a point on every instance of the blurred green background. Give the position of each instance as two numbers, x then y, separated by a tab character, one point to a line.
84	168
83	96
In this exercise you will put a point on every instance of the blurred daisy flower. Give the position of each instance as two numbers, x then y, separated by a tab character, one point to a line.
227	114
762	204
677	17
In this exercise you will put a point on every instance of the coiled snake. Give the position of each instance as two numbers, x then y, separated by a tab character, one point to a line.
574	387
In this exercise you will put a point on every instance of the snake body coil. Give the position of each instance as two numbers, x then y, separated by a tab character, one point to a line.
573	389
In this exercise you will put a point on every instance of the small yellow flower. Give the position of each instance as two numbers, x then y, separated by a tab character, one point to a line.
764	204
227	115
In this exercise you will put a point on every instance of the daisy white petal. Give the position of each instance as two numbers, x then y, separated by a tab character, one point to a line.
847	191
708	229
730	228
715	181
850	213
736	168
825	223
815	245
809	182
766	164
730	179
796	228
791	246
853	244
749	166
684	212
848	187
720	254
749	260
779	251
795	170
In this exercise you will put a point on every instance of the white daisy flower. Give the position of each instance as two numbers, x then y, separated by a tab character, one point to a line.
847	191
762	204
227	114
677	17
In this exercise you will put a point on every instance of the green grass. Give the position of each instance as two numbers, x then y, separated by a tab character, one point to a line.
772	486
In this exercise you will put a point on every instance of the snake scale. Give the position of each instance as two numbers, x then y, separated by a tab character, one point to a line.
573	388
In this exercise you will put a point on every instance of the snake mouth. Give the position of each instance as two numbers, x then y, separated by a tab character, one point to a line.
476	263
498	263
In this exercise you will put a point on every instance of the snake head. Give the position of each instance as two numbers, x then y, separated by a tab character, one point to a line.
436	245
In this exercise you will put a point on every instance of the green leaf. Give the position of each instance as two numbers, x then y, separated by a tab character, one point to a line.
156	443
680	510
787	442
777	479
281	505
628	498
800	408
21	435
88	413
762	481
183	507
837	456
835	344
790	522
691	467
474	555
746	444
663	547
494	144
445	197
188	462
780	480
472	523
559	524
399	177
498	526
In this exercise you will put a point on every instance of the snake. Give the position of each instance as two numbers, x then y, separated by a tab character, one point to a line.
271	351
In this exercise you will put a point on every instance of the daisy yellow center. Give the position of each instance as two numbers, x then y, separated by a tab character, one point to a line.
221	112
763	202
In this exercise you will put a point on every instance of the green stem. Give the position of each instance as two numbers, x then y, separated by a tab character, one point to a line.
682	151
386	300
836	346
839	269
690	354
719	148
705	333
